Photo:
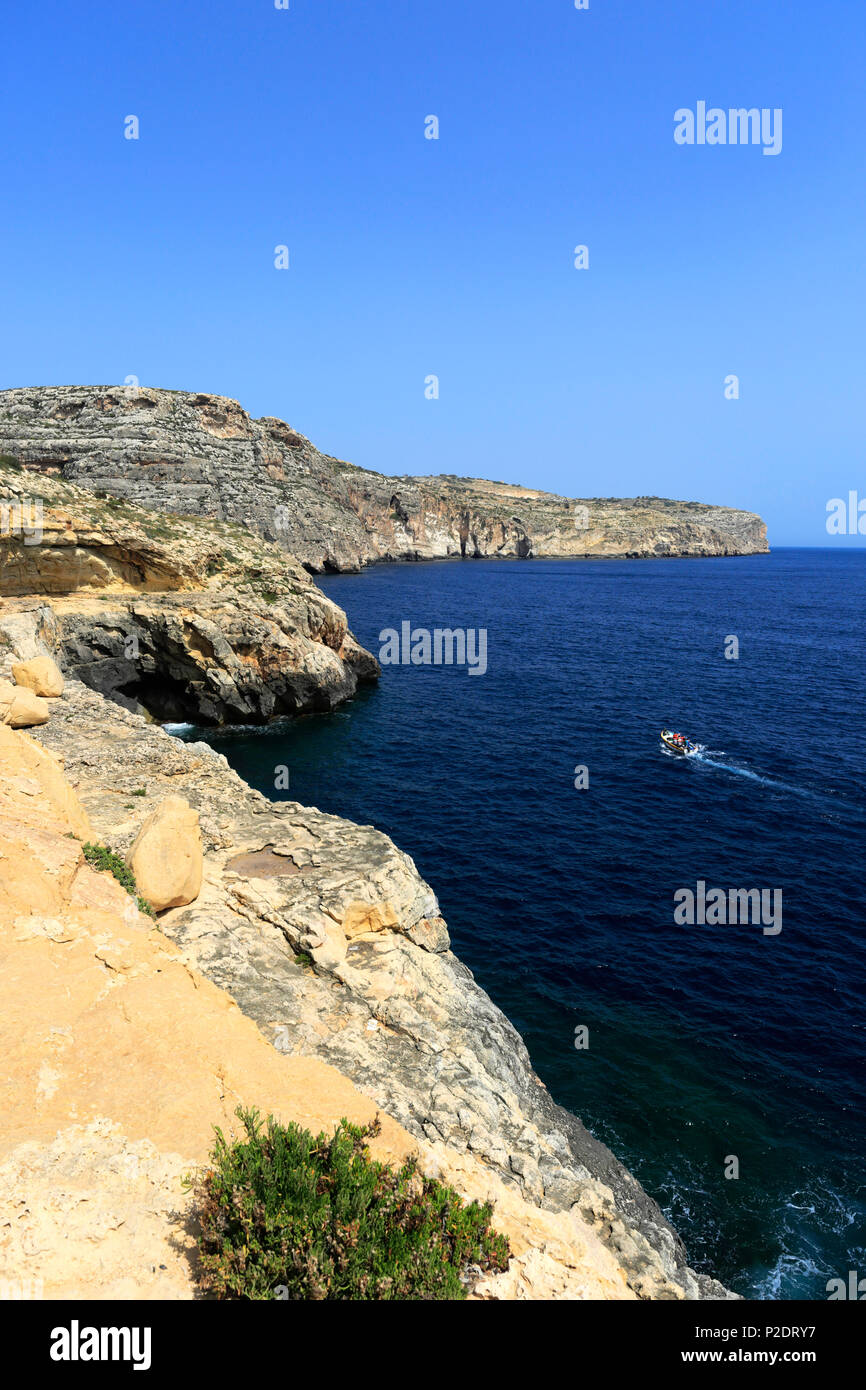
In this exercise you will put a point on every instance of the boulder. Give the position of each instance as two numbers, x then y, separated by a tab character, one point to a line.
41	675
166	856
20	708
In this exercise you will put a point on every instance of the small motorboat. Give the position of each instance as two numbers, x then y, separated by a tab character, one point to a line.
678	743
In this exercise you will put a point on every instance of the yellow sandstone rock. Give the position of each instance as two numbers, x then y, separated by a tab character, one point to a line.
20	708
41	675
360	918
166	857
119	1058
47	800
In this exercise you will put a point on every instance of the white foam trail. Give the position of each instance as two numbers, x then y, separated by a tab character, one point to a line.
752	776
706	757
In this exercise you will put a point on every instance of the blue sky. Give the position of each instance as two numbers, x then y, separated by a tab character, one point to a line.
410	257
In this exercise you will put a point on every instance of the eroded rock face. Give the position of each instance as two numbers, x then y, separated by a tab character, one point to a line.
224	658
34	772
185	619
202	455
344	957
118	1060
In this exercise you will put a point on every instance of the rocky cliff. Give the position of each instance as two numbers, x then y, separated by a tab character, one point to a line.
326	938
319	943
119	1057
203	456
185	619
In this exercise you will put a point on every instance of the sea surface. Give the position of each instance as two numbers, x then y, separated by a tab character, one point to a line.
706	1042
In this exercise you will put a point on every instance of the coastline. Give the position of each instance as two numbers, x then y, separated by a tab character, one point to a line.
313	926
203	455
443	1061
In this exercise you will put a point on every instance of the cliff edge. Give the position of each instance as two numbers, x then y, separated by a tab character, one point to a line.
120	1057
327	940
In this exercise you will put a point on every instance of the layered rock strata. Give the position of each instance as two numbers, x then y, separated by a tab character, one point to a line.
202	455
182	618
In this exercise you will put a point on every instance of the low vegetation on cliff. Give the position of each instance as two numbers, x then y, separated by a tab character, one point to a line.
105	860
288	1215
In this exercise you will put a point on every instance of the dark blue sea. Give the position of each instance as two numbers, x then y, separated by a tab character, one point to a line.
706	1042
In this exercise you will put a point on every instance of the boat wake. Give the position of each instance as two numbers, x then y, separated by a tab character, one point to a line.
710	757
830	806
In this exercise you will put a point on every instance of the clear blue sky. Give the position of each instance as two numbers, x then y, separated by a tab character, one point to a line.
412	257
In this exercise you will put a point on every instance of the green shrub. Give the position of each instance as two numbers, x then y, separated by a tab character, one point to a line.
98	857
287	1215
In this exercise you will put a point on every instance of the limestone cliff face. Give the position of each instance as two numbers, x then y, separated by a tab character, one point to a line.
202	455
186	619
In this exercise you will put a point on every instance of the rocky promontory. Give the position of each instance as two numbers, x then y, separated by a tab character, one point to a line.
202	455
181	618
